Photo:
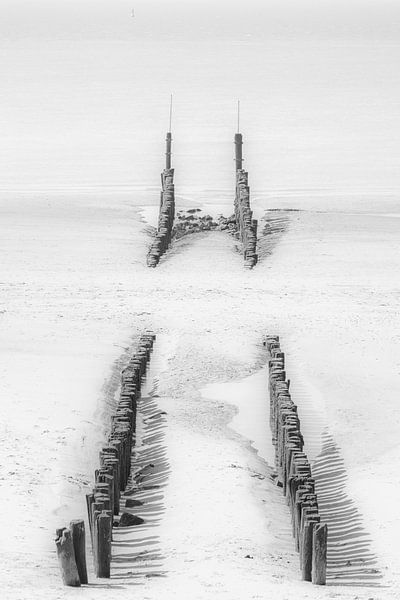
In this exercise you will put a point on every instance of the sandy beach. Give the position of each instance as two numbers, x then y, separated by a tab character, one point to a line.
85	106
71	312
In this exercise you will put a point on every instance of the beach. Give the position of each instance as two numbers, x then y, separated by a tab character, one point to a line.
84	113
72	311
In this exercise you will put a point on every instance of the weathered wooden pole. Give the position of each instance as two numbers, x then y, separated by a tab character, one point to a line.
306	550
78	540
238	151
96	511
103	563
320	538
165	219
89	503
168	152
66	558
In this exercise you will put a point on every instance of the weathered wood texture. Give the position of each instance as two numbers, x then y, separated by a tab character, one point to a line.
320	538
166	217
294	471
103	529
77	528
66	558
115	458
238	151
246	225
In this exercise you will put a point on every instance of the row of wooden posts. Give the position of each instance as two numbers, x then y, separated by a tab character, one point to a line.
294	471
111	479
246	225
166	215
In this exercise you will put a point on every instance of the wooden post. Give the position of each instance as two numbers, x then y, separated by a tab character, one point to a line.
104	524
238	151
89	502
101	502
78	540
66	559
59	531
95	538
107	459
168	152
105	476
320	538
306	550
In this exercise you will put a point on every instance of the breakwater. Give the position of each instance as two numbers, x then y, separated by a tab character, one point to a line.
246	225
110	479
294	471
166	217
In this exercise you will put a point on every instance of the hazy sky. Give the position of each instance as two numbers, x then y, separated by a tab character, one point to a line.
86	87
111	19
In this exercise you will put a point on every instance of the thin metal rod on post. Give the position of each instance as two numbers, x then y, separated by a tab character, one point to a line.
238	142
169	138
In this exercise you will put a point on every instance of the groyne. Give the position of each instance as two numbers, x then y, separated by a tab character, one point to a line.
294	471
110	479
246	225
166	215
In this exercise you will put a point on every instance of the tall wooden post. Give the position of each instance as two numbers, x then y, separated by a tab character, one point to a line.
320	537
168	152
238	150
306	550
66	558
78	540
104	528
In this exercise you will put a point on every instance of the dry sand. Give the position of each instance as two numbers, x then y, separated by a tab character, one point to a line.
75	299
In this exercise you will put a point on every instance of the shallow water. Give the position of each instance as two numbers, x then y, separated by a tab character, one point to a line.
88	110
251	397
